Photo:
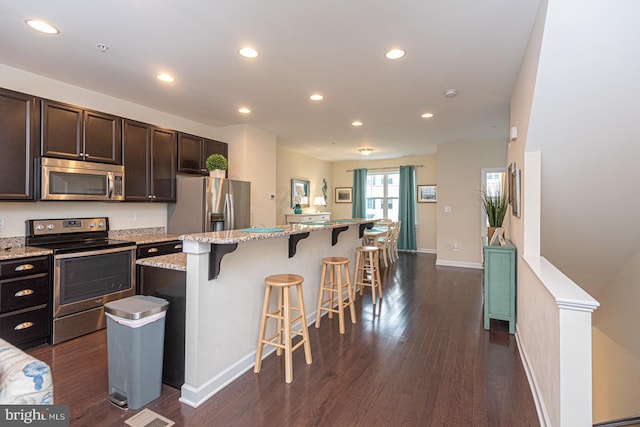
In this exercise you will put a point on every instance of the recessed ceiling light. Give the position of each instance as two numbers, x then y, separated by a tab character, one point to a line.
357	123
395	53
165	77
316	97
450	93
365	151
42	26
103	47
248	52
244	110
427	115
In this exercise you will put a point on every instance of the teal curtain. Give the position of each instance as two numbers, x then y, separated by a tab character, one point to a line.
359	205
407	208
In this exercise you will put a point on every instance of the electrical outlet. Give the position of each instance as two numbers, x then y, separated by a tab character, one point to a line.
456	247
136	217
2	222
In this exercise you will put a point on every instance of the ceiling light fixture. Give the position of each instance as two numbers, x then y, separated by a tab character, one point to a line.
365	151
42	26
427	115
450	93
164	77
244	110
395	53
103	47
248	52
357	123
316	97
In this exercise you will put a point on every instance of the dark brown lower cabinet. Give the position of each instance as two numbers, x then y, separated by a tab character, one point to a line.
170	285
24	301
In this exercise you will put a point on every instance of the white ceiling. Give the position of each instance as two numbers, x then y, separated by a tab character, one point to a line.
335	47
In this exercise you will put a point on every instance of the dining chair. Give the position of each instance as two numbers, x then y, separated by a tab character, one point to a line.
393	244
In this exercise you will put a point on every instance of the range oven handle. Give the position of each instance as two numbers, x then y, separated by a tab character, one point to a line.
94	252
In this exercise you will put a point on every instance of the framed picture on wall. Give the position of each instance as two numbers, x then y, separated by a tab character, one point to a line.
427	194
300	193
344	195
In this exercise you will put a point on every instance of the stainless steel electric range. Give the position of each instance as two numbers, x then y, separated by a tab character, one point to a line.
89	270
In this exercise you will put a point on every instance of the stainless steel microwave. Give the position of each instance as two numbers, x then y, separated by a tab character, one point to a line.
73	180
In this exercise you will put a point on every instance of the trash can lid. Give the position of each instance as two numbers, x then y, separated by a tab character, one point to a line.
136	307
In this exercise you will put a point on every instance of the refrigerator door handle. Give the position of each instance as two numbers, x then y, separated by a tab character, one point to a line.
232	212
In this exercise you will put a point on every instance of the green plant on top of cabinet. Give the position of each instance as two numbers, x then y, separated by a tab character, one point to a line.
193	152
70	132
19	115
149	162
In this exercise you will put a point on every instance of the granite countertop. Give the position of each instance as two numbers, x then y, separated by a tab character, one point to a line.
239	236
142	239
170	262
143	235
22	252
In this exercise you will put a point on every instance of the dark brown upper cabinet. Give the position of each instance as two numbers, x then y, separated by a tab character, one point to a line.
70	132
149	162
19	125
194	150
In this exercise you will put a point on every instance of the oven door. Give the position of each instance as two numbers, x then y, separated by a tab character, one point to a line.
85	280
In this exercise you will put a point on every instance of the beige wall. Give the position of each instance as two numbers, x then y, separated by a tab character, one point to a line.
425	212
292	165
252	157
459	184
616	347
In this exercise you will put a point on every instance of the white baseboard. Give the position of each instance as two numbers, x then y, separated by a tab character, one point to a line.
541	409
447	263
419	250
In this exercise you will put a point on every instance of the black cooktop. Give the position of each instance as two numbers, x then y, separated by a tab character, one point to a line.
72	235
83	245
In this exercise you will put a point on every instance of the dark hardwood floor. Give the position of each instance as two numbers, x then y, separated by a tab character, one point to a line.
421	358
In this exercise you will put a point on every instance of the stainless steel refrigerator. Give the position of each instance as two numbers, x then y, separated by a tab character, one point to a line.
206	204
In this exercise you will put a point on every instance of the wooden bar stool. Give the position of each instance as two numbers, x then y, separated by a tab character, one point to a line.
367	271
334	285
281	340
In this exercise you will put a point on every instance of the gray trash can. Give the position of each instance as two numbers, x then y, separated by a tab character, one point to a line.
135	340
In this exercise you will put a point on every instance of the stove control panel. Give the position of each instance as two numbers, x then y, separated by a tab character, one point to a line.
39	227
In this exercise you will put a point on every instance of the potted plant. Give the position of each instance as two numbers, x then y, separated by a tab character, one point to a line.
217	165
495	206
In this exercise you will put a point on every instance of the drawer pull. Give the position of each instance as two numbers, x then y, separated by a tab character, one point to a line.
178	246
23	325
24	267
24	293
152	250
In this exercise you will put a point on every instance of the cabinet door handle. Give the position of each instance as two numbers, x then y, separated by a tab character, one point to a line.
23	325
152	250
24	293
24	267
178	246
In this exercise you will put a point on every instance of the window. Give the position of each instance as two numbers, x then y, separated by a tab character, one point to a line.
383	195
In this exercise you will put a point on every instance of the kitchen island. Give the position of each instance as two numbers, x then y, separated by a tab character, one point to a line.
225	291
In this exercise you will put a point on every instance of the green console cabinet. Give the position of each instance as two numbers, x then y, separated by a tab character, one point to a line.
500	284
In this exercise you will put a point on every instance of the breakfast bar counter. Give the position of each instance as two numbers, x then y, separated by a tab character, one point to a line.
225	291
